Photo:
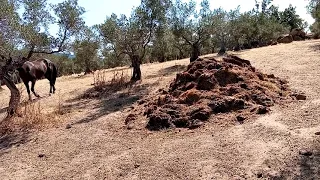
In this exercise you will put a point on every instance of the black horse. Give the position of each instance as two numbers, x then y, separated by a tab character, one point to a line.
34	70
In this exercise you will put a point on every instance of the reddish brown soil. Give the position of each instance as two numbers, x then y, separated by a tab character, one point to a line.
209	87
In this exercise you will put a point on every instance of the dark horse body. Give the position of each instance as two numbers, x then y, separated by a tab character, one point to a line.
34	70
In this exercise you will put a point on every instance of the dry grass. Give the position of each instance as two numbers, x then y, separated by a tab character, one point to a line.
104	148
119	80
32	116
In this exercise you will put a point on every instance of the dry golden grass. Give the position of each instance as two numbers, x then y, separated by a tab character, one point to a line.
31	115
119	80
100	147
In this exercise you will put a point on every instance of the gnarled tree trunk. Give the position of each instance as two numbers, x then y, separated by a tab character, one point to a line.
195	52
136	76
15	94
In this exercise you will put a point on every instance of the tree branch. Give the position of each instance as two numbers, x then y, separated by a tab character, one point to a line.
51	52
186	39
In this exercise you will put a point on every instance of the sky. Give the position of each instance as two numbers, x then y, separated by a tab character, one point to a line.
97	10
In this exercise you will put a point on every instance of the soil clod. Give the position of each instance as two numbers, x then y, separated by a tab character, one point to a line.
209	87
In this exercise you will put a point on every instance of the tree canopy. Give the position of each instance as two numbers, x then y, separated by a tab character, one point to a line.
156	30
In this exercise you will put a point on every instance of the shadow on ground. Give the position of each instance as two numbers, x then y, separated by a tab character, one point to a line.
304	165
315	47
11	137
108	102
168	71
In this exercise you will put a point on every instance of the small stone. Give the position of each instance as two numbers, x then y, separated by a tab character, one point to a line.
130	126
136	165
195	124
244	86
317	133
259	175
274	175
68	126
240	119
142	101
41	155
305	152
262	110
301	97
130	118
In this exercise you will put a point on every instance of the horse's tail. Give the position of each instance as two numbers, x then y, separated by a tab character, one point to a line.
52	70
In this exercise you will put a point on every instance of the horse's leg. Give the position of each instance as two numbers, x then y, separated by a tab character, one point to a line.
53	84
52	89
53	81
50	85
26	83
32	88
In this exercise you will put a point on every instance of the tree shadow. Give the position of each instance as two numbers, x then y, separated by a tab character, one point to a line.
108	102
309	167
315	47
304	165
168	71
10	137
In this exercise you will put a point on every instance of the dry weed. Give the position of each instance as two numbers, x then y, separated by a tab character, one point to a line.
32	116
119	80
59	108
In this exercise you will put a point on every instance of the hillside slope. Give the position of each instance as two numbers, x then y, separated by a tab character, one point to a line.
100	146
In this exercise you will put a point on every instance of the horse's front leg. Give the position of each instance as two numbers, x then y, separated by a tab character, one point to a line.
28	90
50	89
32	88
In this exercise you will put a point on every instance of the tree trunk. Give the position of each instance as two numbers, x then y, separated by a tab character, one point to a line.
136	76
87	71
212	49
223	49
161	58
195	52
15	96
180	54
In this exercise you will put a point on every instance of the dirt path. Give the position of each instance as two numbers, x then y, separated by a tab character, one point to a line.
99	146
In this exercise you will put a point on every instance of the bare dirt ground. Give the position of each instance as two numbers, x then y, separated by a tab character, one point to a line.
99	146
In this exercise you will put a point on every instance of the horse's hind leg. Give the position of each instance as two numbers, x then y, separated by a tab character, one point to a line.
32	88
28	90
53	88
52	83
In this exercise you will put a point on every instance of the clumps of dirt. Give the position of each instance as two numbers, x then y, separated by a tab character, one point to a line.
211	87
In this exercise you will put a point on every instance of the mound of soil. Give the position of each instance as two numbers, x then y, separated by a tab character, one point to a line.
208	87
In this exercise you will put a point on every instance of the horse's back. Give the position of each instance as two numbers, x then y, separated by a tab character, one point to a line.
33	69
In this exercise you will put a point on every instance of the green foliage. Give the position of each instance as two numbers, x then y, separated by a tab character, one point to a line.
30	30
130	36
190	27
85	48
314	10
156	30
9	19
289	18
27	33
66	66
